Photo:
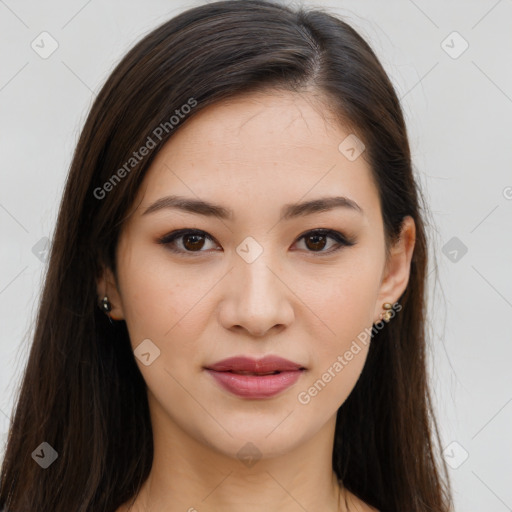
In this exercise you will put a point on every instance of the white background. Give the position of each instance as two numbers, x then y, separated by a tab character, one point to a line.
458	112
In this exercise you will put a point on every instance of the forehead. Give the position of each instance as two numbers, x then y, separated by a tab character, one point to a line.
281	122
278	146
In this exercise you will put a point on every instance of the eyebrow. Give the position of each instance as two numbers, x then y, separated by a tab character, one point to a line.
288	211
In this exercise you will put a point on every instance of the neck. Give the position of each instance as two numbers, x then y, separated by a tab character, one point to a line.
188	475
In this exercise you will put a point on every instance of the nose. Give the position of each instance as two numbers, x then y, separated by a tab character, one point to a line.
258	299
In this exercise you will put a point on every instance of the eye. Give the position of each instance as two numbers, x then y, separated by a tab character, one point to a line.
191	241
316	240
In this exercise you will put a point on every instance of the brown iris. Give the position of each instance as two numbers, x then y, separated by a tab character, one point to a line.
318	244
193	242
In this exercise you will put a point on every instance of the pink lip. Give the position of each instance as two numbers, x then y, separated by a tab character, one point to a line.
255	386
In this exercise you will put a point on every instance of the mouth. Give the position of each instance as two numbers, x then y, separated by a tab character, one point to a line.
247	365
255	379
240	372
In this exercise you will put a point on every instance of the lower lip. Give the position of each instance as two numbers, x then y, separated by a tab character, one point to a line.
254	386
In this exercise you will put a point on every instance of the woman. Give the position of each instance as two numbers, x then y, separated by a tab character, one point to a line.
234	312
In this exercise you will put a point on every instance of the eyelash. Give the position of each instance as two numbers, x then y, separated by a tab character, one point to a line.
342	241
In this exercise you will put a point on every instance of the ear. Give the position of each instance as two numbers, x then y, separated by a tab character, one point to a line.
398	266
106	285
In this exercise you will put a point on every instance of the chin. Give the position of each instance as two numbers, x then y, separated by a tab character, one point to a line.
258	440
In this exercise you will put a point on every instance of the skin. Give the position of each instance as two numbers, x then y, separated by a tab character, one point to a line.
298	300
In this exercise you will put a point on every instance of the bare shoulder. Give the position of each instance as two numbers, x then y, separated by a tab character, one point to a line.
358	505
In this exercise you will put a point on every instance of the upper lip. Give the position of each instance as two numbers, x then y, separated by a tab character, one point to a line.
247	364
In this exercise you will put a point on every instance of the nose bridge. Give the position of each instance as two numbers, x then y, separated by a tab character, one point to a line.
260	298
255	279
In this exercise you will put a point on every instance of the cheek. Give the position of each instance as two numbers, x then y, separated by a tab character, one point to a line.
339	353
162	303
343	302
343	305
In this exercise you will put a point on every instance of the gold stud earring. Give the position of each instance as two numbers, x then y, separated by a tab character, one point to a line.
386	316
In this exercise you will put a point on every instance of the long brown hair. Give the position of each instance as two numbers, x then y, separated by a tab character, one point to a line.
82	392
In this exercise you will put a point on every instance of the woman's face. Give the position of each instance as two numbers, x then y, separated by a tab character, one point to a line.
249	278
